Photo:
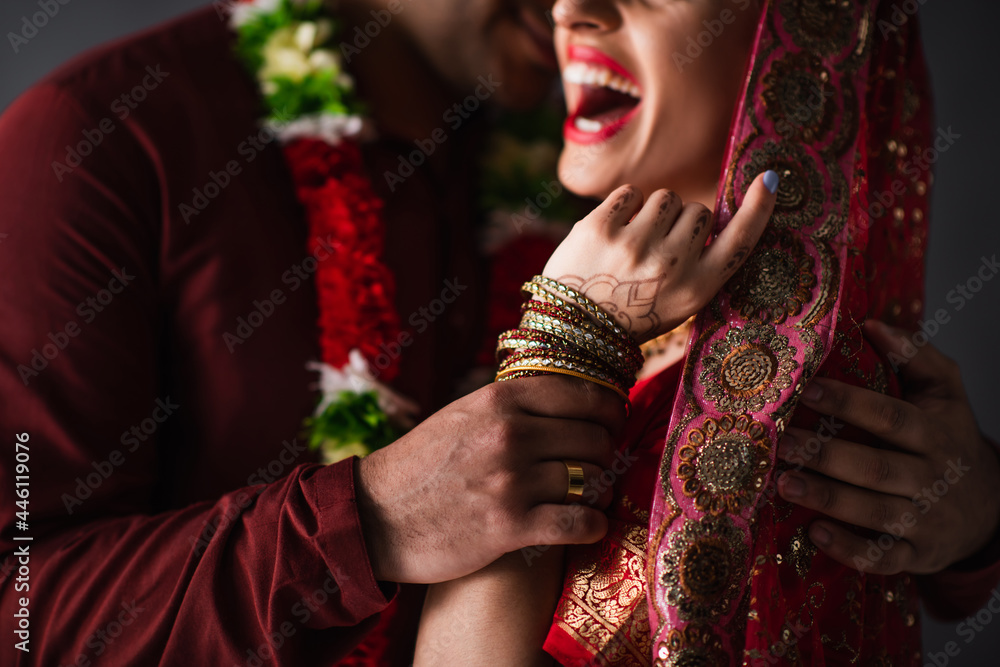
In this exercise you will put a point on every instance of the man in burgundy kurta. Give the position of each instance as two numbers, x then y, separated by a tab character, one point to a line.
168	477
175	514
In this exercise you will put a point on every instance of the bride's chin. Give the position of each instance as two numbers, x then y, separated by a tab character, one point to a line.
581	181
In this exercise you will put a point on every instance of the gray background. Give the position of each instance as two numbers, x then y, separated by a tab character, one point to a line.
960	42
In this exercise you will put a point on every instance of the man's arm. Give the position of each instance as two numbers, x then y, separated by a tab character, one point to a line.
278	568
104	577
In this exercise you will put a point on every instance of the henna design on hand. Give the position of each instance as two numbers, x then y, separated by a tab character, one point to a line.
735	261
623	201
667	202
702	220
633	303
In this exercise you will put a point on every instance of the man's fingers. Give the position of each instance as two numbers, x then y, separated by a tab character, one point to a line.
576	440
733	245
548	482
915	359
858	507
564	524
563	397
881	555
894	420
850	462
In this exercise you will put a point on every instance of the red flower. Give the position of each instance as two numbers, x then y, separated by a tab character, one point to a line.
355	289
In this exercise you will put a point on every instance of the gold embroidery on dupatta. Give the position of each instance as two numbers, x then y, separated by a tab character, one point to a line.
792	278
723	463
800	196
701	567
692	646
823	26
775	281
801	551
798	98
606	607
748	369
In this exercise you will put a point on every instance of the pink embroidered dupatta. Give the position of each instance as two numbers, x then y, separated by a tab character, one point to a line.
837	102
833	99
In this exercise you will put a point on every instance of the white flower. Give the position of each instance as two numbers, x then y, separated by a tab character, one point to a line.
292	51
242	13
283	57
328	127
321	59
305	36
355	377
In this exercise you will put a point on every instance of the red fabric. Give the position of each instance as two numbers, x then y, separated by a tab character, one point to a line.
643	438
511	266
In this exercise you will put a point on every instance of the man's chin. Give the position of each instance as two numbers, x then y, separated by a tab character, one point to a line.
523	89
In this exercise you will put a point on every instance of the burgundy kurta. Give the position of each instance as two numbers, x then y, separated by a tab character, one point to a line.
156	266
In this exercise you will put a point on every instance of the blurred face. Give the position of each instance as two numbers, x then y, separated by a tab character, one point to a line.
650	91
508	39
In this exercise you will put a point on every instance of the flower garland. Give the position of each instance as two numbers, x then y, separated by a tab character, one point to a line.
313	110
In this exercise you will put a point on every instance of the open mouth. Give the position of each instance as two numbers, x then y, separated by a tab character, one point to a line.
607	97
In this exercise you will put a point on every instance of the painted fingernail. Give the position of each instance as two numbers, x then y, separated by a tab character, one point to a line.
771	180
813	392
821	536
792	486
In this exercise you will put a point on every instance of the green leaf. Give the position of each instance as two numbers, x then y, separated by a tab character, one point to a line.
351	419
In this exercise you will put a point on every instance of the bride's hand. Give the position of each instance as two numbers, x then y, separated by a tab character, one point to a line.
648	263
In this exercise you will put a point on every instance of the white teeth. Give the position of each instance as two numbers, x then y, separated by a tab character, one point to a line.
587	125
574	72
589	74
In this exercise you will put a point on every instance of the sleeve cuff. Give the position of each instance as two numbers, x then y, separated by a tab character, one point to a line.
331	491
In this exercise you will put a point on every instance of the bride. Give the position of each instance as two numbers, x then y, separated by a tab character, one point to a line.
705	561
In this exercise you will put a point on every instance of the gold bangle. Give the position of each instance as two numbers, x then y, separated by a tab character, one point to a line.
583	302
562	371
608	353
569	360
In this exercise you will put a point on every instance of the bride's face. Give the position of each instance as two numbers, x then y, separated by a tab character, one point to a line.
650	90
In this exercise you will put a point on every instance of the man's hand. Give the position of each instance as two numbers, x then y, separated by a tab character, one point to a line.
939	484
484	476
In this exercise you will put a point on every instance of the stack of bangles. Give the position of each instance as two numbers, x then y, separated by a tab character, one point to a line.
564	332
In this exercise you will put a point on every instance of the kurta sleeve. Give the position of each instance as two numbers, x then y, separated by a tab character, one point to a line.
277	570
